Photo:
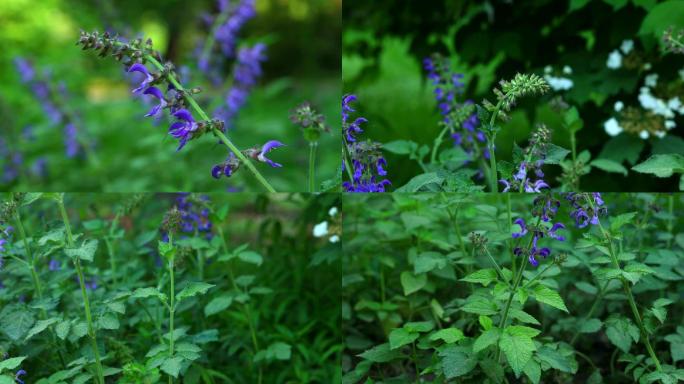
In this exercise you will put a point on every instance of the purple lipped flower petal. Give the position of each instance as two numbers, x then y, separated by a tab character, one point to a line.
265	149
523	228
137	67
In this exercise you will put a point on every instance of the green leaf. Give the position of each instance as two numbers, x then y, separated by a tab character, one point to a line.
661	165
275	351
108	321
660	17
618	221
412	283
11	363
577	4
548	296
40	326
480	307
533	371
555	154
427	261
62	329
622	332
55	235
400	337
591	326
623	148
555	359
605	274
172	366
15	321
193	289
517	349
448	335
419	326
380	354
217	305
251	257
520	330
85	252
486	322
400	147
483	276
609	166
421	181
142	293
455	362
487	338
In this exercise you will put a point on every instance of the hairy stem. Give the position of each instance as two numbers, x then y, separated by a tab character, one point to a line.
172	299
491	139
312	166
216	131
84	293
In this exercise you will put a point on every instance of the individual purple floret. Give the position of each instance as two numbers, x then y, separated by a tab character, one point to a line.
17	376
531	164
586	208
259	153
54	265
366	159
226	168
157	93
544	210
184	129
137	67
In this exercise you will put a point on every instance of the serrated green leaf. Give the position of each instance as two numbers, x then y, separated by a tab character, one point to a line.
608	165
480	307
661	165
548	296
411	283
555	359
533	371
381	354
400	337
487	338
11	363
40	326
428	261
421	181
85	252
448	335
217	305
251	257
172	366
591	326
62	329
483	276
517	349
193	289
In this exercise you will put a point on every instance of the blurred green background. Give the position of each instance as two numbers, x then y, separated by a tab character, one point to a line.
130	152
492	40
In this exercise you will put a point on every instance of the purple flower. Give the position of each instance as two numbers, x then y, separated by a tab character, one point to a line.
380	164
586	208
17	376
157	93
137	67
523	228
226	168
71	140
226	34
506	184
25	69
54	265
183	130
522	172
553	234
265	149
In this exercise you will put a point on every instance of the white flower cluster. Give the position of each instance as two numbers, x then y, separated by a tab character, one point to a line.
558	83
615	57
321	229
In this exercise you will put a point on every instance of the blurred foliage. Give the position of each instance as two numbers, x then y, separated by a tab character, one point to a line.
492	40
134	154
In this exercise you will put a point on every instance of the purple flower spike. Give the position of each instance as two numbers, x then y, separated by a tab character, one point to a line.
183	130
137	67
523	228
265	149
156	92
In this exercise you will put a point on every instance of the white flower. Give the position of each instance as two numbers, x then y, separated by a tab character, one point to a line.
548	69
627	46
334	239
558	83
618	106
567	70
643	134
654	104
660	134
612	127
332	212
320	229
651	80
669	124
614	60
674	103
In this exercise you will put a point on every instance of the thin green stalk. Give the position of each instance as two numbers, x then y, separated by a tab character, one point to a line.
312	166
437	143
630	298
347	161
538	275
415	361
216	131
172	299
573	147
670	220
84	294
599	297
508	229
496	265
490	146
